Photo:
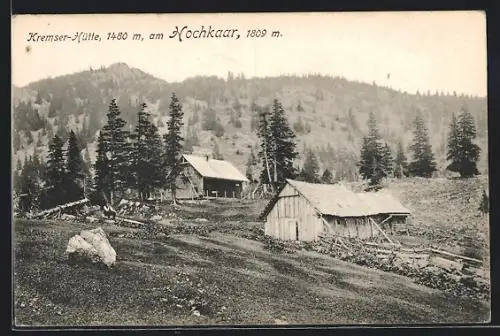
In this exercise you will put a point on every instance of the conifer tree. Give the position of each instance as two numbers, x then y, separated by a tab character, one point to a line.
116	147
400	162
453	148
102	175
374	159
173	139
309	172
264	134
56	174
423	163
74	170
462	151
387	160
282	146
327	177
147	165
29	186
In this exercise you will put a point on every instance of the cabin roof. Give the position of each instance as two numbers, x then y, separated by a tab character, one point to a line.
219	169
383	202
338	200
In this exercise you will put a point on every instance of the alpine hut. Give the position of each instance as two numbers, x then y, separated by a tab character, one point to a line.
304	211
203	176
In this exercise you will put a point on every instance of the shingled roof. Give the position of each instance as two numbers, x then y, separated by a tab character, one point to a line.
211	168
338	200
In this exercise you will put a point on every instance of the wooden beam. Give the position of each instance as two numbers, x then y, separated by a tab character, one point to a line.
382	231
477	261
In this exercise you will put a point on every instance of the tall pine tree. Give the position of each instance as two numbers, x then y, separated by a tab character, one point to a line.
423	163
327	177
74	170
309	172
453	148
282	145
265	152
463	152
56	173
147	165
400	162
117	149
102	175
374	160
173	142
387	160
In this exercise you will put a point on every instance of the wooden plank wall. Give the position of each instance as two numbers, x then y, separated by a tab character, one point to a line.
352	227
289	209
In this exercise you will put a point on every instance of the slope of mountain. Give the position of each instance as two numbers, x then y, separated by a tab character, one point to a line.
328	113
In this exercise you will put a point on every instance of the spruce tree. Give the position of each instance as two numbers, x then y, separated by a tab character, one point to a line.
327	177
74	170
144	154
462	151
387	160
282	146
117	148
173	139
400	162
265	152
423	163
374	157
29	187
154	145
309	172
56	174
102	175
453	148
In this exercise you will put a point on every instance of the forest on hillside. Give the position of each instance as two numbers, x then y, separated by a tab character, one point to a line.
328	114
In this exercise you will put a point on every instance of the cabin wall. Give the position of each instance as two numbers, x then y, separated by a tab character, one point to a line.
290	214
184	187
222	188
352	227
399	224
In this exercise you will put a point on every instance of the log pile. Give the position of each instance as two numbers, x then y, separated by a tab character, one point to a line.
59	210
457	275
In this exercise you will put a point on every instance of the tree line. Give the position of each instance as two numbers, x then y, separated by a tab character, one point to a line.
376	160
139	160
142	160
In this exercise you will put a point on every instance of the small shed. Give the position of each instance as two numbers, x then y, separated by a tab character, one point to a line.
303	211
207	177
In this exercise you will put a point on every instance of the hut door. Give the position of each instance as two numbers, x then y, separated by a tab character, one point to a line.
296	230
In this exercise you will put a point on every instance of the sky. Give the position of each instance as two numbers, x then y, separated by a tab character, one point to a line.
407	51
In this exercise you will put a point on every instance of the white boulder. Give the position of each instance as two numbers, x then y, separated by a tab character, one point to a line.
92	245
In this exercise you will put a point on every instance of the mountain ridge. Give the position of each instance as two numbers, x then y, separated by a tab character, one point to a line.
332	110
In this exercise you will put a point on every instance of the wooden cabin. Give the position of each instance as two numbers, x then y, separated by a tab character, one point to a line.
304	211
203	176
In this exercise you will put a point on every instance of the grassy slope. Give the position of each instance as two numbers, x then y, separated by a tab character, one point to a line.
445	211
229	280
